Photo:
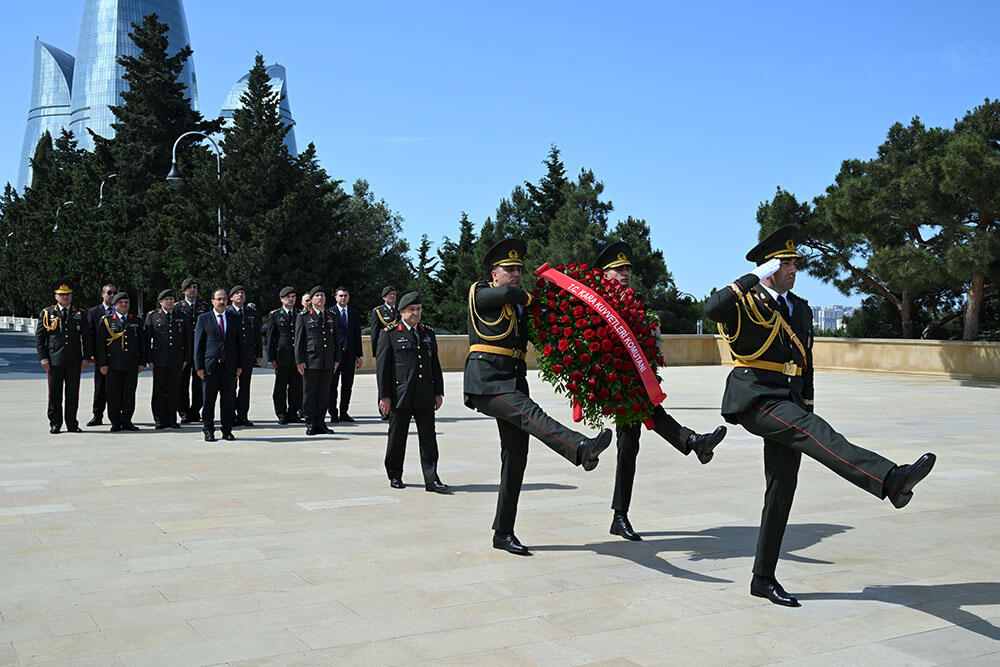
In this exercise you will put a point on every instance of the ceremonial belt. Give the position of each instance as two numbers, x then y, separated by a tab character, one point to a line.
788	368
496	349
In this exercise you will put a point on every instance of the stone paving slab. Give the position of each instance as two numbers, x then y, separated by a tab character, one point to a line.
156	548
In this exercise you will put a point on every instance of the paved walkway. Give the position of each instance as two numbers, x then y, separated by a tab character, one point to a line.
157	548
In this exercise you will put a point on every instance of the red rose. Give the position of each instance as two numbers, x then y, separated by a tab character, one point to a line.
584	358
605	358
589	334
607	345
607	410
552	318
564	319
576	376
620	410
555	330
552	304
563	344
578	343
581	323
578	311
603	394
626	380
618	397
617	364
612	377
595	319
584	267
636	407
564	306
547	350
592	383
591	396
571	387
567	360
595	346
557	369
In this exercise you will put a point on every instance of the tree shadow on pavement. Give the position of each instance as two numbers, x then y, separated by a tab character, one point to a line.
494	488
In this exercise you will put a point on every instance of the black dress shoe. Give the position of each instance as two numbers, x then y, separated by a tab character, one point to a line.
397	483
384	418
282	419
770	589
508	542
347	418
334	419
130	427
175	425
620	526
74	429
592	448
293	419
228	436
243	422
310	430
209	436
53	429
437	487
185	419
900	481
159	427
116	427
95	421
324	429
702	444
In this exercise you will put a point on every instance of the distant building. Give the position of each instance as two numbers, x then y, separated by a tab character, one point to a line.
831	318
51	95
279	85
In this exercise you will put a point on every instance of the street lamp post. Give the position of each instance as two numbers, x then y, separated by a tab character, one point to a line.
100	201
59	208
175	178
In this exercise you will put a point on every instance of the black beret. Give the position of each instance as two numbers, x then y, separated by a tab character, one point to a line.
779	244
318	288
509	252
236	288
408	299
118	297
615	255
165	293
387	289
285	291
187	282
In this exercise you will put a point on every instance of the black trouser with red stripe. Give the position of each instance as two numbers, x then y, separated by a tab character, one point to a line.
628	451
790	431
518	417
64	380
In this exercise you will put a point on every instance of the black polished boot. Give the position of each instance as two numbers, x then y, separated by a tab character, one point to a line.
702	444
899	483
770	589
620	526
591	449
508	542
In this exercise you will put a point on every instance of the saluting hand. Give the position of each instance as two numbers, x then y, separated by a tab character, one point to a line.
767	268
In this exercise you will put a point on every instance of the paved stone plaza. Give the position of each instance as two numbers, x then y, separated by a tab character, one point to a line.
157	548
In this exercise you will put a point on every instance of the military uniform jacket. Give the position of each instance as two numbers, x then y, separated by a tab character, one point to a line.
316	342
121	342
166	337
249	323
382	317
497	316
281	337
191	313
407	367
743	309
63	339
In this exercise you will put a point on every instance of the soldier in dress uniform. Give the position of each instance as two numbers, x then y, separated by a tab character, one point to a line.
317	353
769	392
121	357
94	317
496	384
253	351
384	316
410	384
287	394
62	339
190	398
616	263
166	334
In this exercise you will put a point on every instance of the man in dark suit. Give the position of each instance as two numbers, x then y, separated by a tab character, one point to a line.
287	394
769	392
496	384
166	351
317	354
616	263
249	325
190	398
121	357
349	342
62	339
384	316
94	317
410	384
218	349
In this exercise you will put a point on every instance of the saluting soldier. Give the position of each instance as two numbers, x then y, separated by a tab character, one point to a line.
62	339
770	393
121	357
410	385
317	353
496	384
287	394
190	398
249	323
616	263
384	316
166	351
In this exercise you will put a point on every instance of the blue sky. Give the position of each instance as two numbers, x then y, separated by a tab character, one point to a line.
690	113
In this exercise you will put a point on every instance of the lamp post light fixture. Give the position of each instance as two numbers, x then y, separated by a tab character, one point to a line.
100	201
175	178
59	208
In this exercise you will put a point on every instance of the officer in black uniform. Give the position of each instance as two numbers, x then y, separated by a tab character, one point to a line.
190	398
166	337
496	384
770	393
62	339
253	351
616	263
384	316
410	384
121	357
317	353
287	394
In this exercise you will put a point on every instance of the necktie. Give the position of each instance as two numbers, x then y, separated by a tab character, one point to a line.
222	326
343	329
783	308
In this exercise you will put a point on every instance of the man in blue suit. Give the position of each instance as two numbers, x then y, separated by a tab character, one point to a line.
218	349
349	341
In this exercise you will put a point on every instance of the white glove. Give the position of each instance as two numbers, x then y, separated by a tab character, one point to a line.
767	268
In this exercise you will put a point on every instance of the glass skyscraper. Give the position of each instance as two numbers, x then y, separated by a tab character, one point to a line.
51	92
279	85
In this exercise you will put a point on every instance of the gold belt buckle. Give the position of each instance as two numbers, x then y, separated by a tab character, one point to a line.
789	368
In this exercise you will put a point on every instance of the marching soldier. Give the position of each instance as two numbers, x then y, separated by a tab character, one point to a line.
410	384
287	394
253	353
317	353
166	334
769	392
62	339
384	316
190	398
615	262
121	357
496	384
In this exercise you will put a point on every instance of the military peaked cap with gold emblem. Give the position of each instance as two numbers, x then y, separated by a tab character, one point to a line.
62	288
616	255
509	252
780	244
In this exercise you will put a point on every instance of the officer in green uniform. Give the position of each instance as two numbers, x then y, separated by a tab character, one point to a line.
121	357
616	263
383	316
166	337
496	384
62	339
317	353
769	392
287	394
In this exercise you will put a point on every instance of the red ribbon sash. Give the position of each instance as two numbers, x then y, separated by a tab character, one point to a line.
615	323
